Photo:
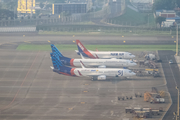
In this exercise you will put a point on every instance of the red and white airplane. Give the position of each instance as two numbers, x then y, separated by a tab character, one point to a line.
102	54
100	63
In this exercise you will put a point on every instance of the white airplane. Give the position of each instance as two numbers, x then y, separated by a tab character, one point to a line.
101	63
94	73
103	54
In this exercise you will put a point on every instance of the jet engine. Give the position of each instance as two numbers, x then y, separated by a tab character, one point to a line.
102	66
101	77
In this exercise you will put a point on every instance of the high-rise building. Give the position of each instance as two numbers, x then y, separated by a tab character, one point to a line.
26	6
72	8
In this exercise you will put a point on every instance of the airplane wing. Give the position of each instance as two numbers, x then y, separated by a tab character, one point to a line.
82	56
82	64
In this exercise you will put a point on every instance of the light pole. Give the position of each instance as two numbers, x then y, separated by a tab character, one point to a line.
148	20
177	41
177	115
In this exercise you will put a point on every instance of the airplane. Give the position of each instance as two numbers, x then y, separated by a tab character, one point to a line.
94	73
103	54
101	63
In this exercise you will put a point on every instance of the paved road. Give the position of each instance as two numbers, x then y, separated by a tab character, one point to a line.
172	75
113	40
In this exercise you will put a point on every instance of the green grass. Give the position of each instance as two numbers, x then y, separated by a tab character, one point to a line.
131	17
99	47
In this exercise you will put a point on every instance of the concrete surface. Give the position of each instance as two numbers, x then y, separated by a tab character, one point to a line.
30	90
113	40
172	76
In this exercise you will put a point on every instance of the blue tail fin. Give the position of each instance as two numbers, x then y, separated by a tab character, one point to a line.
55	61
56	51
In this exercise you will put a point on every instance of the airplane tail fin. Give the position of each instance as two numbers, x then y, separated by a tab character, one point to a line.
83	50
56	62
56	51
81	47
59	67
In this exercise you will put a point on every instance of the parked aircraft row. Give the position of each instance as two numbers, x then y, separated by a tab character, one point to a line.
101	63
61	63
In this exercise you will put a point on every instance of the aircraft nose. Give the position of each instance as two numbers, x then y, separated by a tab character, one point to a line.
133	73
133	56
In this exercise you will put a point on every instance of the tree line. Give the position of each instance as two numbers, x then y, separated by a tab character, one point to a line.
166	4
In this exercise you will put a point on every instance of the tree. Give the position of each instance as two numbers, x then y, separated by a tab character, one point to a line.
164	4
159	20
6	14
41	5
178	3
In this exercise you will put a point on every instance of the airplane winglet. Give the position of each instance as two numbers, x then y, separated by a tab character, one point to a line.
52	67
82	65
82	56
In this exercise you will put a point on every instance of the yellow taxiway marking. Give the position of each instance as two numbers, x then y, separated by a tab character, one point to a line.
122	36
172	36
82	102
73	35
85	91
74	41
174	41
10	43
124	41
70	108
27	41
23	35
49	41
151	69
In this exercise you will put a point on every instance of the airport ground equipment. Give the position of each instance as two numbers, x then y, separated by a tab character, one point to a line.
129	110
150	57
150	64
153	72
145	112
125	98
155	96
161	94
138	94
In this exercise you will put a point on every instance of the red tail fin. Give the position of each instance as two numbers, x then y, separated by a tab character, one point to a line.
81	47
83	50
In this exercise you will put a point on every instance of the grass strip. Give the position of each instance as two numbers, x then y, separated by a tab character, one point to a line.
99	47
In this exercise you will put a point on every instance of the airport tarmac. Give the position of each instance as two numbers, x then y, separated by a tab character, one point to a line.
29	89
113	40
172	76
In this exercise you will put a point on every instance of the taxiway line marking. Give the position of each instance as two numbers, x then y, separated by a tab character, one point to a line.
172	72
21	83
27	42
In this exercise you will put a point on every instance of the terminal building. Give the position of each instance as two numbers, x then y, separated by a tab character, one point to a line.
26	6
72	8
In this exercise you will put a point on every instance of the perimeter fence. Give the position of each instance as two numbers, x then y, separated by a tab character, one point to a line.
106	29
